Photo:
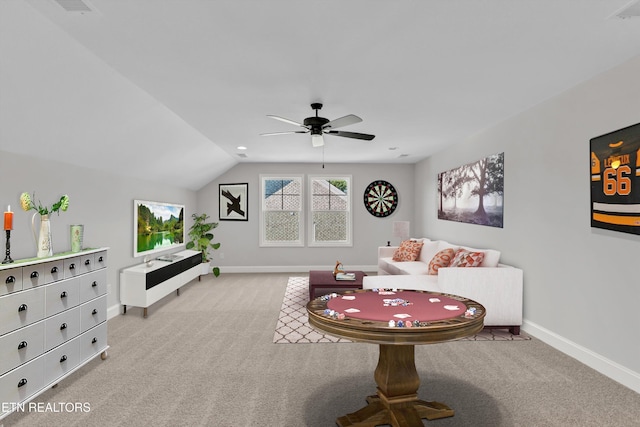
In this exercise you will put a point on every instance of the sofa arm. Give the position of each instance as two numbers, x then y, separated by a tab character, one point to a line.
498	289
386	251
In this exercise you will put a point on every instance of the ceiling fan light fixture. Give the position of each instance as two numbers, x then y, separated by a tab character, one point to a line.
317	140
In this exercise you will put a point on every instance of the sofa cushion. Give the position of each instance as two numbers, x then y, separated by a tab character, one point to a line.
409	250
412	267
491	256
397	267
446	245
465	258
441	259
428	251
421	282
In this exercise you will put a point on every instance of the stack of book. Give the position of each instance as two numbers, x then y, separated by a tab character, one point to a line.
346	276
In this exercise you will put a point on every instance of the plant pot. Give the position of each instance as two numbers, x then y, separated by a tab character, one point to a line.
206	268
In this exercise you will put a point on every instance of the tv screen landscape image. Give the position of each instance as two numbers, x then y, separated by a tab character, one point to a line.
157	227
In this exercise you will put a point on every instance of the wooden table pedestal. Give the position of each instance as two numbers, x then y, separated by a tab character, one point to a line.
397	400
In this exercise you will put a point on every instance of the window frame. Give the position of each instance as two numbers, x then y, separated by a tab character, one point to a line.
263	242
348	242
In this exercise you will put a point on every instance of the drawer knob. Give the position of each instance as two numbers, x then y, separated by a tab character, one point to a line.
10	279
63	294
63	326
87	262
54	269
94	312
63	358
94	340
22	345
72	266
23	307
94	284
34	275
100	259
22	382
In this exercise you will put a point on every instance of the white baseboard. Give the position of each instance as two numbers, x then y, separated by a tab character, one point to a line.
292	269
607	367
112	312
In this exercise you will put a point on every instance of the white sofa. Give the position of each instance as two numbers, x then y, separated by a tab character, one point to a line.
496	286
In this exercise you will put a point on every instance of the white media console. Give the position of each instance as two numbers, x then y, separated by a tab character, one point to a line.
147	283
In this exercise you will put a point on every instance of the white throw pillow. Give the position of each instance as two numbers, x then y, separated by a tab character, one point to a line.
428	251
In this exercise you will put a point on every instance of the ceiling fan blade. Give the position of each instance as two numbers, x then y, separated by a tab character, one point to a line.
342	121
284	133
355	135
282	119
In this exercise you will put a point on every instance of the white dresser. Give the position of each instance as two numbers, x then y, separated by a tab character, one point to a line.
53	320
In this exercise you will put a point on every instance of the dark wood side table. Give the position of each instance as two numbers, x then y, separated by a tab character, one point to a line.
321	279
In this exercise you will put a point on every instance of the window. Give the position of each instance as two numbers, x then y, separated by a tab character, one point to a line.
330	206
281	218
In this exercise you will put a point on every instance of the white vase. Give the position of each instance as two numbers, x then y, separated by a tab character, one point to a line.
43	239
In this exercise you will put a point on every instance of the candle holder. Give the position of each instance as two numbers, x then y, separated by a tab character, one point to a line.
7	258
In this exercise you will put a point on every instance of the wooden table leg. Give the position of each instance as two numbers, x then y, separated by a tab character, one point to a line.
397	400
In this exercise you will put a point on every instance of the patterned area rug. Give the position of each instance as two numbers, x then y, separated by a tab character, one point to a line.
293	324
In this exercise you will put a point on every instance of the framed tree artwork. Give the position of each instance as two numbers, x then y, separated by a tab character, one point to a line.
233	202
473	193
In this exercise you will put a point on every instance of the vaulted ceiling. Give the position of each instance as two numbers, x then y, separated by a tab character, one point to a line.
166	90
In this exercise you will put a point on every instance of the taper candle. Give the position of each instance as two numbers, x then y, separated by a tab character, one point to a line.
8	219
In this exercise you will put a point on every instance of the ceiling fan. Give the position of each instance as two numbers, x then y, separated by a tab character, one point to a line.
318	126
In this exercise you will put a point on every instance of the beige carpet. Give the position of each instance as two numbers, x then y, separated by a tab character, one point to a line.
206	358
293	324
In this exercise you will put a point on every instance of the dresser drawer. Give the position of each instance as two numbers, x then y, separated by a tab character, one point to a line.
72	267
53	271
21	346
61	327
32	276
22	382
21	309
99	260
61	296
86	263
93	313
10	280
61	360
93	285
93	341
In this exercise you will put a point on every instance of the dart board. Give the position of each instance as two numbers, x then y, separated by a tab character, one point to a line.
380	198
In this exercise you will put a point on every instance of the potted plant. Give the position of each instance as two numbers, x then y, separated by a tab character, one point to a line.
200	239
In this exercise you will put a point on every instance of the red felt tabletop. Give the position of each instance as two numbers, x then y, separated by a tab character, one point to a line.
378	306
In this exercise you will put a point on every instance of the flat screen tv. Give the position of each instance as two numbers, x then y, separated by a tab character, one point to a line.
157	227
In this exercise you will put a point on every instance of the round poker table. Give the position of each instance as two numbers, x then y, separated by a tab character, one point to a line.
396	320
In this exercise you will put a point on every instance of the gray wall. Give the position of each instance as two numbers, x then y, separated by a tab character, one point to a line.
240	239
102	202
581	285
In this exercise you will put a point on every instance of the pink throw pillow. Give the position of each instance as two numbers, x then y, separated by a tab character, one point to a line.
465	258
441	259
409	250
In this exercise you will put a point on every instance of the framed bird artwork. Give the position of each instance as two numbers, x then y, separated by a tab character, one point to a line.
233	202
